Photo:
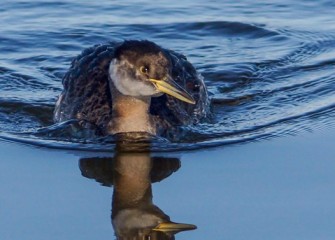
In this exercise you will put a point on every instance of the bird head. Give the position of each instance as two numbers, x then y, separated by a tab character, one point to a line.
142	68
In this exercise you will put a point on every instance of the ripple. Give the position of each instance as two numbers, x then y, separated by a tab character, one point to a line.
223	28
264	80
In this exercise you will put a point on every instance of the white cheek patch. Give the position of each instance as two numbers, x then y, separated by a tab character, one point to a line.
125	83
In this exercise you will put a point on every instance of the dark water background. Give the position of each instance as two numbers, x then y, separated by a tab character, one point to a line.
269	66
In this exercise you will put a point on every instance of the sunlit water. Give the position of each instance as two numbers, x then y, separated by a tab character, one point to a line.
269	67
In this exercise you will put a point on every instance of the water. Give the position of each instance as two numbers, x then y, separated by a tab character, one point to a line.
269	67
278	189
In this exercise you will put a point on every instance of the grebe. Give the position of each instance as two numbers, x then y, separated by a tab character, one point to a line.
132	86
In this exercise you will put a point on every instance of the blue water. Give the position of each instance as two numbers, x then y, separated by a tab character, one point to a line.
269	67
278	189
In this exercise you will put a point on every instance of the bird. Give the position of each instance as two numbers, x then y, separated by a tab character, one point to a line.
132	86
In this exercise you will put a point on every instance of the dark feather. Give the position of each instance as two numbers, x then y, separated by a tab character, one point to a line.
87	96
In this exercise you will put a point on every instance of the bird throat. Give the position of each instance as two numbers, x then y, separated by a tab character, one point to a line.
130	114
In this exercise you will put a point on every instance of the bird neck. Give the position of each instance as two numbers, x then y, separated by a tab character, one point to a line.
130	114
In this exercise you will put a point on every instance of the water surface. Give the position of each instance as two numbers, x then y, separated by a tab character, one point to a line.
269	67
278	189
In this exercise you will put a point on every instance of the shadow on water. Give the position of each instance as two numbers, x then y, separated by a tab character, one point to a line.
131	173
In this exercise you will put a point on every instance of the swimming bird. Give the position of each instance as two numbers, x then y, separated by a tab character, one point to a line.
132	86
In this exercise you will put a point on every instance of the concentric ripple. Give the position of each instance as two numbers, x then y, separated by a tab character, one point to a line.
264	80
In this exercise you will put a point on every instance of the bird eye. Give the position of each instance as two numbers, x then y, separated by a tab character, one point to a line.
144	69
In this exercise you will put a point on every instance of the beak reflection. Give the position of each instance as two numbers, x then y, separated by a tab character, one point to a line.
174	227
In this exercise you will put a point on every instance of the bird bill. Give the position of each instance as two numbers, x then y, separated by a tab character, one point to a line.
172	88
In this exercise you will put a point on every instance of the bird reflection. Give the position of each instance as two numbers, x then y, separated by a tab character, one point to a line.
134	215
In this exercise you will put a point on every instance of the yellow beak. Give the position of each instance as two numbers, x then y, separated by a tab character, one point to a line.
173	89
174	227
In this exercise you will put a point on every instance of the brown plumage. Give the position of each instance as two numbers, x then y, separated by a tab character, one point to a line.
90	94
